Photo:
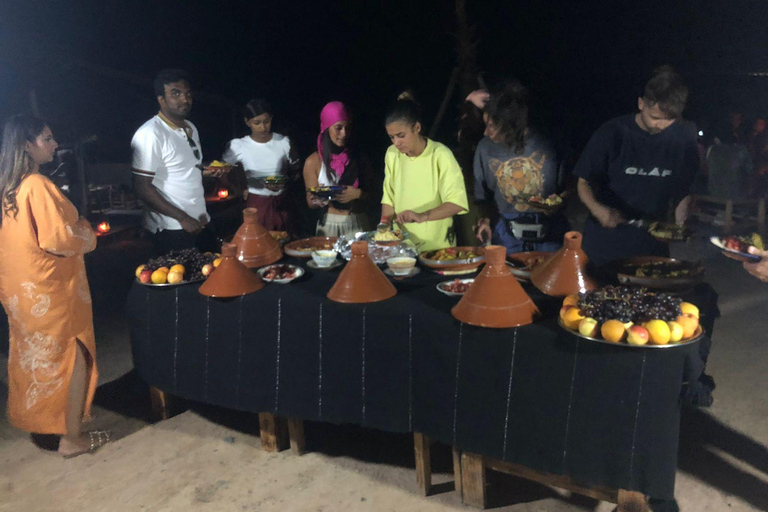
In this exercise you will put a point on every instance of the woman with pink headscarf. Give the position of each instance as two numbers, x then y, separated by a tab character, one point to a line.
335	163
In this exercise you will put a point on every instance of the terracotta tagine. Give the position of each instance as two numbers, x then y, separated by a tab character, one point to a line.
565	272
361	280
231	278
256	247
496	298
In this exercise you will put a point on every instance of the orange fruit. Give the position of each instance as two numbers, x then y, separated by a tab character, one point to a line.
687	307
689	323
164	269
659	331
175	277
613	330
216	262
159	276
178	268
572	318
571	300
564	309
139	270
676	331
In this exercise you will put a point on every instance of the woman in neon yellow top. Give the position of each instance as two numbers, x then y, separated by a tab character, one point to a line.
423	183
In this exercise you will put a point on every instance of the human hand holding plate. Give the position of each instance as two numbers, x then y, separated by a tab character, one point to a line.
759	269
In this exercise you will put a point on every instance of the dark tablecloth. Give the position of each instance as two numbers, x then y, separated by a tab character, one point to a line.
534	395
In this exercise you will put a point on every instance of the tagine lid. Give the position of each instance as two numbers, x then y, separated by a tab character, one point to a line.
496	299
256	247
231	278
361	281
565	273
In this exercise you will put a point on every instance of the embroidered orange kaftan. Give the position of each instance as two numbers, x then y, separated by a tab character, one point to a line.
44	290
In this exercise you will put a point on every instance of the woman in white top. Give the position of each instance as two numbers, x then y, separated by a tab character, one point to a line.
337	163
262	154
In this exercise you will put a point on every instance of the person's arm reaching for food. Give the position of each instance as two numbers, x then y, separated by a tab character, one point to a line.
681	211
607	217
443	211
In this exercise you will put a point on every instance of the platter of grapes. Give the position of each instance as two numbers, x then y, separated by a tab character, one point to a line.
631	317
176	268
735	247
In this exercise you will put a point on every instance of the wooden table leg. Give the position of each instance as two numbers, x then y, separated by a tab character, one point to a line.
160	403
457	470
423	462
273	432
631	501
473	480
296	435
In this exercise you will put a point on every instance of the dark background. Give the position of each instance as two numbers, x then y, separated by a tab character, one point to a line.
90	63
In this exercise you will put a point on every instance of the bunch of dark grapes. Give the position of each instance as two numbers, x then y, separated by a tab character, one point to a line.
626	304
192	259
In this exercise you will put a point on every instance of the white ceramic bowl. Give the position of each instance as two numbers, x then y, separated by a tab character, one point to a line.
324	258
401	265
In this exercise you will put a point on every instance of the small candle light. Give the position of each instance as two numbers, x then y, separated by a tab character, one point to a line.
223	193
103	227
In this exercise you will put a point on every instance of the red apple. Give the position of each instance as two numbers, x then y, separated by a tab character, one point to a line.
637	335
145	276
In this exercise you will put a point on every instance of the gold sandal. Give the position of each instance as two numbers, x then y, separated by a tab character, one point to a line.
98	439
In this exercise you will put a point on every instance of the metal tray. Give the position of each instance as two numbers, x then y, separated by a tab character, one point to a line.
167	285
696	337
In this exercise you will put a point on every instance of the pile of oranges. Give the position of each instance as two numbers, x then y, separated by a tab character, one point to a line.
653	332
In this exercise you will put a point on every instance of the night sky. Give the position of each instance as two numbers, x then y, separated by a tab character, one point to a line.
91	63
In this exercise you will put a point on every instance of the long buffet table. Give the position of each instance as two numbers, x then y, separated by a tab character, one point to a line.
534	396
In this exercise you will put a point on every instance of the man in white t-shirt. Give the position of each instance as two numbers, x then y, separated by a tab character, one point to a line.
167	173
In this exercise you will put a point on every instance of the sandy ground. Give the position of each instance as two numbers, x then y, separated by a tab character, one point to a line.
210	459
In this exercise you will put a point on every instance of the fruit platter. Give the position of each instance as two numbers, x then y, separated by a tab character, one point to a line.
455	288
306	246
666	232
549	204
326	193
522	263
633	317
658	272
280	273
177	268
735	247
453	258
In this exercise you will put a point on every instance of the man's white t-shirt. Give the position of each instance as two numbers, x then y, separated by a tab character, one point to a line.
260	159
165	154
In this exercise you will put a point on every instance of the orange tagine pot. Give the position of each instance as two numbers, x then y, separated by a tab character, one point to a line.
565	273
231	278
361	280
496	298
255	246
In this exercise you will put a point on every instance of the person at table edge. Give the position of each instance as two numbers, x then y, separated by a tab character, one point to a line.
264	153
632	167
167	161
423	183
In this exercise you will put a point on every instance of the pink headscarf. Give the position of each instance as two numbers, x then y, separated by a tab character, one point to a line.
331	114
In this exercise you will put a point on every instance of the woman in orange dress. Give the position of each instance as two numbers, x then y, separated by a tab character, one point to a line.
43	288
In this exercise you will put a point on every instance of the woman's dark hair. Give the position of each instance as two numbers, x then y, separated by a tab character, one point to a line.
169	76
15	162
405	110
508	110
256	107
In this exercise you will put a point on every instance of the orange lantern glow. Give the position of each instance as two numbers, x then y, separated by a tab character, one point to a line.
223	193
103	227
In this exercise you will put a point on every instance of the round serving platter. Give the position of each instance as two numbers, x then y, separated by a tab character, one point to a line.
315	243
658	283
693	339
441	287
298	273
518	262
468	264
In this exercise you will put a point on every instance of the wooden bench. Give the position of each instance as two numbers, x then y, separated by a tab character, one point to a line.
708	207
